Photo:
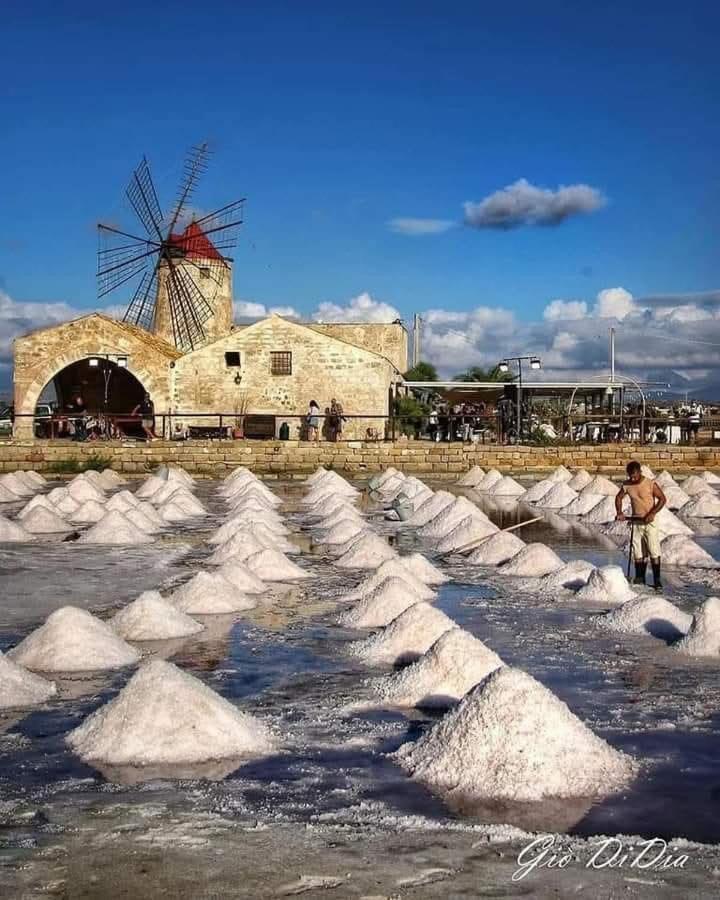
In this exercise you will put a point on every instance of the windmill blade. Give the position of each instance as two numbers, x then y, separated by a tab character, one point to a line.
222	226
143	199
189	310
119	259
141	310
195	165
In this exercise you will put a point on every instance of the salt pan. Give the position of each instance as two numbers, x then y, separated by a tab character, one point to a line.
605	511
150	487
110	479
271	565
138	518
19	688
366	553
390	598
648	615
580	479
668	523
606	585
506	487
703	506
558	497
538	490
40	480
681	550
496	550
472	477
165	715
703	638
406	638
152	618
512	739
694	484
114	528
11	532
452	666
242	523
72	640
533	561
380	478
468	531
44	521
207	594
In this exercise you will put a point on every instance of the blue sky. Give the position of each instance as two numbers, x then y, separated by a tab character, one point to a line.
333	119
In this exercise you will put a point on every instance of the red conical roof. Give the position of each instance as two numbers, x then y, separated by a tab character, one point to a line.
194	243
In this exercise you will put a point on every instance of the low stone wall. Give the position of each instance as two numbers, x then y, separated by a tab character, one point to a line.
294	458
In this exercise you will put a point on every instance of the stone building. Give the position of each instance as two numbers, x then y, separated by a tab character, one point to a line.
263	374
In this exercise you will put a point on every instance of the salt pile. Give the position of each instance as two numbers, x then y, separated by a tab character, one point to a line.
271	565
648	615
681	550
210	595
708	476
582	504
703	638
434	505
149	510
606	585
571	577
122	500
239	524
533	561
150	487
164	715
558	497
668	523
378	608
665	480
580	479
8	496
694	484
40	481
138	518
392	568
238	574
66	506
44	521
11	532
238	548
513	739
110	479
472	477
497	549
406	638
170	512
560	474
647	472
37	500
375	481
538	490
19	688
366	553
188	503
448	518
151	618
490	478
341	514
87	513
452	666
703	506
423	569
81	489
601	485
506	487
14	483
340	533
468	531
676	497
605	511
71	640
114	528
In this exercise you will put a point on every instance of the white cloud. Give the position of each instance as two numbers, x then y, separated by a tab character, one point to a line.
614	303
418	227
565	310
362	308
523	203
248	309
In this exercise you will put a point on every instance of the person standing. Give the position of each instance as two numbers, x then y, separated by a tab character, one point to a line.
694	417
313	422
646	500
336	419
146	410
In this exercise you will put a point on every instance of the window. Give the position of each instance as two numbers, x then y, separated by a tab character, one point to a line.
232	358
281	362
204	272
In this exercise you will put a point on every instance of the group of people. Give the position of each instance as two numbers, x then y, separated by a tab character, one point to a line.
448	422
79	424
328	425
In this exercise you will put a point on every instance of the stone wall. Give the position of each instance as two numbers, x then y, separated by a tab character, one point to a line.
355	459
389	340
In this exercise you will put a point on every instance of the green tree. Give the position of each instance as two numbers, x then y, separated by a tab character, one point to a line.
477	373
412	413
423	371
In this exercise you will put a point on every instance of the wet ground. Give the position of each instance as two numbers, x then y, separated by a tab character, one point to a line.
332	805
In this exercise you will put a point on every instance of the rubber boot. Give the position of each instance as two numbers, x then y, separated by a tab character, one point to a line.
657	584
640	570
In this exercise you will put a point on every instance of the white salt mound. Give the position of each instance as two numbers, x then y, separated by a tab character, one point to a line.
665	480
271	565
13	482
406	638
676	497
367	553
378	608
11	532
703	638
150	486
648	615
571	577
703	506
601	485
708	476
647	472
19	688
126	496
87	513
80	489
114	528
152	618
238	547
668	523
558	497
423	569
472	477
110	479
605	511
580	480
561	474
490	478
341	532
8	496
72	640
468	531
694	484
497	549
452	666
39	480
44	521
533	561
512	739
238	574
430	508
138	518
538	490
606	585
582	504
506	487
391	568
210	594
449	518
37	500
164	715
681	550
120	502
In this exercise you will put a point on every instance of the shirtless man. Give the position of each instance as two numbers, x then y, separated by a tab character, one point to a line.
647	499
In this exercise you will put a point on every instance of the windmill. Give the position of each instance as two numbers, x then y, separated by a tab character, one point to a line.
179	268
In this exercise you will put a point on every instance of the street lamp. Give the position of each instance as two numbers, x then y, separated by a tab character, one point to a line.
504	366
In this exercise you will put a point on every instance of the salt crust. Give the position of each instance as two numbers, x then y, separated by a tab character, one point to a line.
439	501
703	506
580	479
606	585
152	618
165	715
506	487
694	484
391	568
378	608
571	577
449	517
423	569
11	532
600	485
538	490
681	550
560	474
271	565
497	549
44	521
558	497
72	640
406	638
37	500
87	513
675	496
238	547
491	477
366	553
472	477
703	638
114	528
452	666
582	504
648	615
238	574
19	688
533	561
210	594
512	739
465	532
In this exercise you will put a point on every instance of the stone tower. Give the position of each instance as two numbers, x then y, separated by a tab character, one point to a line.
196	259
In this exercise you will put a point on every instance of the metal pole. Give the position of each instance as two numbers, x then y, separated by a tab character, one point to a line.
612	355
519	401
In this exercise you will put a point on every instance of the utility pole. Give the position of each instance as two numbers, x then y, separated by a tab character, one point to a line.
417	322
